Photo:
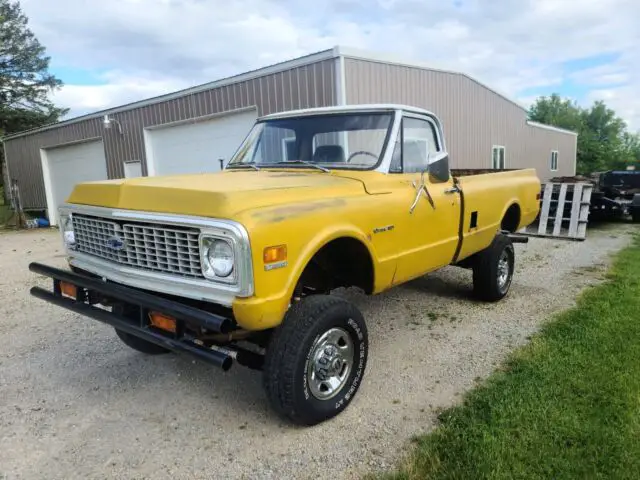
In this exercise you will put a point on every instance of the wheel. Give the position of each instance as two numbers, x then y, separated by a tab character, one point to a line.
140	345
635	215
493	269
316	359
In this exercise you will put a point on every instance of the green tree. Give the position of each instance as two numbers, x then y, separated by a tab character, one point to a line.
25	81
603	140
631	150
553	110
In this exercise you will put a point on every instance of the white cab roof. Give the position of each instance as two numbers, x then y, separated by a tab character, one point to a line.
390	107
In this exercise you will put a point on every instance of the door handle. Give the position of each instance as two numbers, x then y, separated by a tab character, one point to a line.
452	190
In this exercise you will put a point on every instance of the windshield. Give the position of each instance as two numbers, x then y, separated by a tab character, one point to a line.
354	141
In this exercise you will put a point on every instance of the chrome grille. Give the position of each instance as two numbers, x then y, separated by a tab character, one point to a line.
144	245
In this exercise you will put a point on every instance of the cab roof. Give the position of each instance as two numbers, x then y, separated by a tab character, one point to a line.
373	107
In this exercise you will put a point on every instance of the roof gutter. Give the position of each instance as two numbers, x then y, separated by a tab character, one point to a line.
544	126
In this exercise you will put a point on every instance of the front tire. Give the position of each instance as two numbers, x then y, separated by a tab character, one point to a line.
316	359
493	269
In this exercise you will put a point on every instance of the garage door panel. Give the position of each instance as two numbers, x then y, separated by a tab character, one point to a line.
70	165
196	147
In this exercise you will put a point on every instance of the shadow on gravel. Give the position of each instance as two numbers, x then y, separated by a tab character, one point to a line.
118	372
441	287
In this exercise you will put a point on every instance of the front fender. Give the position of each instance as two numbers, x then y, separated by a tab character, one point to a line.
274	288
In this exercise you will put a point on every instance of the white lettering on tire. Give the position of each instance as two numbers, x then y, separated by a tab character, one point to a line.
305	385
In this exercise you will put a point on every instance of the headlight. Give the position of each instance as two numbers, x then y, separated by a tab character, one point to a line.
66	227
217	258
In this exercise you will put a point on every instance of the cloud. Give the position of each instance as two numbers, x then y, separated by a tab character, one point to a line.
117	89
514	46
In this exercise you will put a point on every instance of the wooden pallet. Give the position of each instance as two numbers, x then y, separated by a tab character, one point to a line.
564	212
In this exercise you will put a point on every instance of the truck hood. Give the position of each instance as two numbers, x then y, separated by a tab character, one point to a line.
220	195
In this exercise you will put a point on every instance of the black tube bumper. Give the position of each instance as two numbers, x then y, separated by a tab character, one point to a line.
90	290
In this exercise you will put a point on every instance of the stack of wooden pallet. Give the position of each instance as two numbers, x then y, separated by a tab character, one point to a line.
564	211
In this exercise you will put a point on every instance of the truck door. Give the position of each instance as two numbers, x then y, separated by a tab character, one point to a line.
429	223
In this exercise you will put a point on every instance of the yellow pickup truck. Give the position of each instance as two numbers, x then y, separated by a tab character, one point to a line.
241	264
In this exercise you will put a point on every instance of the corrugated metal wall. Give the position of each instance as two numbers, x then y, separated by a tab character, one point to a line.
311	85
474	117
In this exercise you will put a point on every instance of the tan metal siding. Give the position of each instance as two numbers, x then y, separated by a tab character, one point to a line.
474	117
311	85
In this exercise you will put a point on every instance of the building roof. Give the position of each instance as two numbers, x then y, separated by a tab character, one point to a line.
335	52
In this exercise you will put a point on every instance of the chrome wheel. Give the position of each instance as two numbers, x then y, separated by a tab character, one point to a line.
330	362
504	271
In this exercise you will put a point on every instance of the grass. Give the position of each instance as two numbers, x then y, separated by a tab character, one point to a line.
565	406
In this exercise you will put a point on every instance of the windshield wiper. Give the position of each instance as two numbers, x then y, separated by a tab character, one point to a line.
305	162
247	164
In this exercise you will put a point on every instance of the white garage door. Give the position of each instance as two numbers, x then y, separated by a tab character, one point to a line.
196	147
64	167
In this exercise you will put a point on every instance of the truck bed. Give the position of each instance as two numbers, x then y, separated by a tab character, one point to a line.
468	172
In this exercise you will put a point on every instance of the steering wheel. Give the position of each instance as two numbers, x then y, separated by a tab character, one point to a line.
362	152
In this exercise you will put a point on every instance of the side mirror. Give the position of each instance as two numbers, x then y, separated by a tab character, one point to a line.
438	167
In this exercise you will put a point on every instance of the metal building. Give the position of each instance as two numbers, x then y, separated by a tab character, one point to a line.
197	129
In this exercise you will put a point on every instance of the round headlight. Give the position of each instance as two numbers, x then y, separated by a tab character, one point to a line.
220	257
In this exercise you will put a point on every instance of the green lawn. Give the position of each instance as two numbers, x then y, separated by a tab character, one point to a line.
565	406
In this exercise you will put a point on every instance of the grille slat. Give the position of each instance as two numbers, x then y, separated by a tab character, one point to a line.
146	246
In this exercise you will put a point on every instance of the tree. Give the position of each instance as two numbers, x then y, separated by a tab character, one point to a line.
555	111
631	150
603	140
25	81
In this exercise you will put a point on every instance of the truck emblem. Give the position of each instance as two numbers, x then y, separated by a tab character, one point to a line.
386	228
115	243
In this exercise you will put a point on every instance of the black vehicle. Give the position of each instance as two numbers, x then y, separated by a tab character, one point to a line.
617	194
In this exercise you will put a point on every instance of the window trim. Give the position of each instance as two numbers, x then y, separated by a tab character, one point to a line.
557	161
493	148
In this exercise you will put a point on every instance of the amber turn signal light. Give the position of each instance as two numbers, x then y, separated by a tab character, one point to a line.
163	322
274	254
68	290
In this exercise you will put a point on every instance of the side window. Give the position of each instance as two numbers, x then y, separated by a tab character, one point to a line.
498	158
554	160
418	144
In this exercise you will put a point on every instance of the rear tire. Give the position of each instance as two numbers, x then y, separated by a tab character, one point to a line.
316	359
140	345
493	269
635	215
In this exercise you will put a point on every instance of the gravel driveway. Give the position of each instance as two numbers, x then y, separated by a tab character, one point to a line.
76	403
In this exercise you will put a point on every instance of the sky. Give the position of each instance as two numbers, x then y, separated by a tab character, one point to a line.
113	52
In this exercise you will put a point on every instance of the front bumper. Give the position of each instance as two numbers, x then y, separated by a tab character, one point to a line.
90	291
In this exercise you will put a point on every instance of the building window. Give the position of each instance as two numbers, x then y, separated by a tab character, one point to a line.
497	158
132	169
554	160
